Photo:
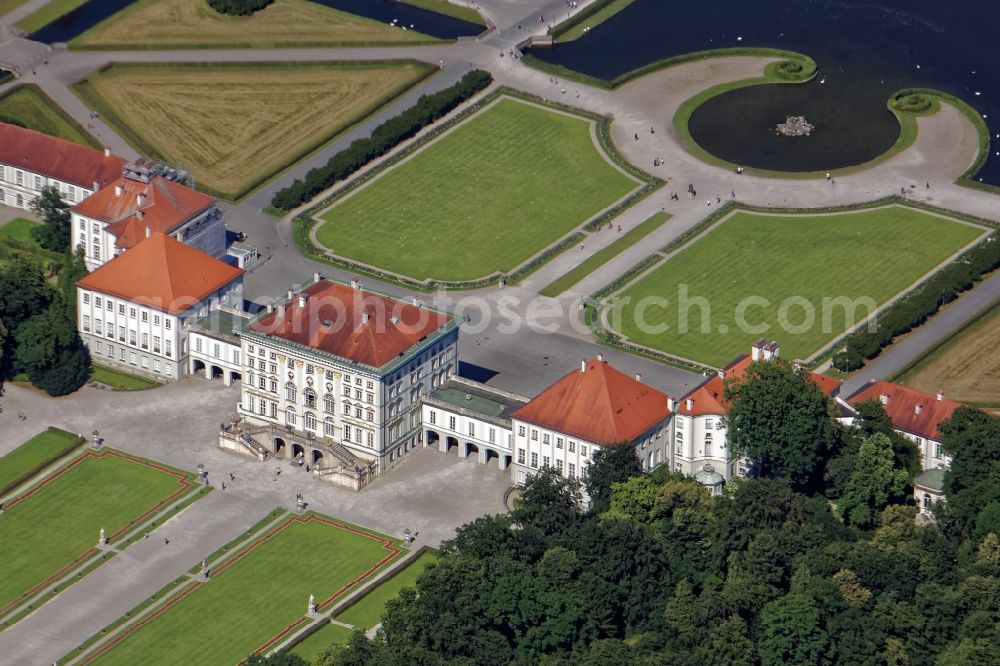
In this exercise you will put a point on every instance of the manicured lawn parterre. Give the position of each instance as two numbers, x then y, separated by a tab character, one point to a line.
120	380
48	13
32	108
486	197
598	259
192	23
48	528
7	6
39	451
184	113
367	612
321	639
255	595
449	9
577	27
785	265
965	367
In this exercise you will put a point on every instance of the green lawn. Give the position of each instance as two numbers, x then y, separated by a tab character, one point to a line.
120	381
320	640
18	230
598	259
449	9
32	108
60	520
873	254
484	198
39	451
7	6
575	28
367	612
47	13
16	241
257	596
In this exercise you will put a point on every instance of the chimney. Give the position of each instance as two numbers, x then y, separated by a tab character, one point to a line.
690	404
281	310
316	276
917	408
149	231
302	300
140	199
755	351
600	358
671	404
940	396
771	351
364	318
288	295
355	284
138	214
583	365
107	152
722	373
417	302
884	399
638	377
96	186
270	308
118	190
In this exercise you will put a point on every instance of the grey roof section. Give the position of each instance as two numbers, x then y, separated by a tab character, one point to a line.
932	479
709	477
477	399
224	325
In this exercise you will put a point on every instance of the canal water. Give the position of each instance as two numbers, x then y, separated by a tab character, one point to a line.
865	50
429	23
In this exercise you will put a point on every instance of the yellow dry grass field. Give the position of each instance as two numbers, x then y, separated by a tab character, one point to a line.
192	23
966	368
234	126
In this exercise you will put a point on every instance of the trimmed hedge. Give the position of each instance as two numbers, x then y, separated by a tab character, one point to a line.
42	464
238	7
383	138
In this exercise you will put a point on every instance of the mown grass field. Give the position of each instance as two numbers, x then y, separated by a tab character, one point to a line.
789	264
257	595
598	259
486	197
316	643
120	381
449	9
7	6
192	23
234	126
32	108
367	612
966	367
60	520
35	452
16	241
47	13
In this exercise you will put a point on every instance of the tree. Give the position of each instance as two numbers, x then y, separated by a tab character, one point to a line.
23	293
276	659
609	465
726	644
549	502
54	233
792	633
873	484
74	270
49	350
780	420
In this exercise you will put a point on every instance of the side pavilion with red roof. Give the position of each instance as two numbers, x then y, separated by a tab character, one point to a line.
591	407
134	311
699	433
334	377
31	160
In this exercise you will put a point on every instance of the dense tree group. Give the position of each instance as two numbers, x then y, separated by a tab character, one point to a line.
659	571
238	7
383	138
916	308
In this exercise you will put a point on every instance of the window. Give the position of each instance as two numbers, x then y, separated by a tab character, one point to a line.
310	421
369	384
156	320
145	340
545	461
98	328
86	297
328	426
433	417
145	316
82	225
262	405
328	403
131	338
236	356
156	365
347	379
197	344
358	395
534	459
571	471
121	308
708	424
559	442
19	177
132	358
472	429
520	431
522	478
937	450
559	466
357	381
329	375
708	444
216	351
156	344
274	410
347	391
291	363
583	451
572	446
97	301
108	305
249	349
273	385
121	355
347	409
545	438
371	439
86	323
290	392
72	190
451	422
370	398
131	313
493	435
309	369
145	361
121	333
347	433
261	382
310	398
290	416
38	182
168	323
534	435
167	345
370	415
520	456
357	412
680	424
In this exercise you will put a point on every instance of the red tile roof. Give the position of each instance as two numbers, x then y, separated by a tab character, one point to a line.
902	407
357	325
707	399
165	206
57	158
599	404
163	273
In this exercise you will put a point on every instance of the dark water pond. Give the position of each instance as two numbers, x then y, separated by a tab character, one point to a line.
865	49
429	23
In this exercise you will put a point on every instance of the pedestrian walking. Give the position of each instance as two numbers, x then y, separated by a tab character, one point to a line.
166	541
232	477
636	136
223	485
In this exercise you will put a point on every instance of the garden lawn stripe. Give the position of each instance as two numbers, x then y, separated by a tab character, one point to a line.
367	612
321	639
28	456
255	597
485	197
873	253
31	107
44	530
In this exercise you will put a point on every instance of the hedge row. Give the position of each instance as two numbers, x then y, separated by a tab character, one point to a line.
383	138
915	308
